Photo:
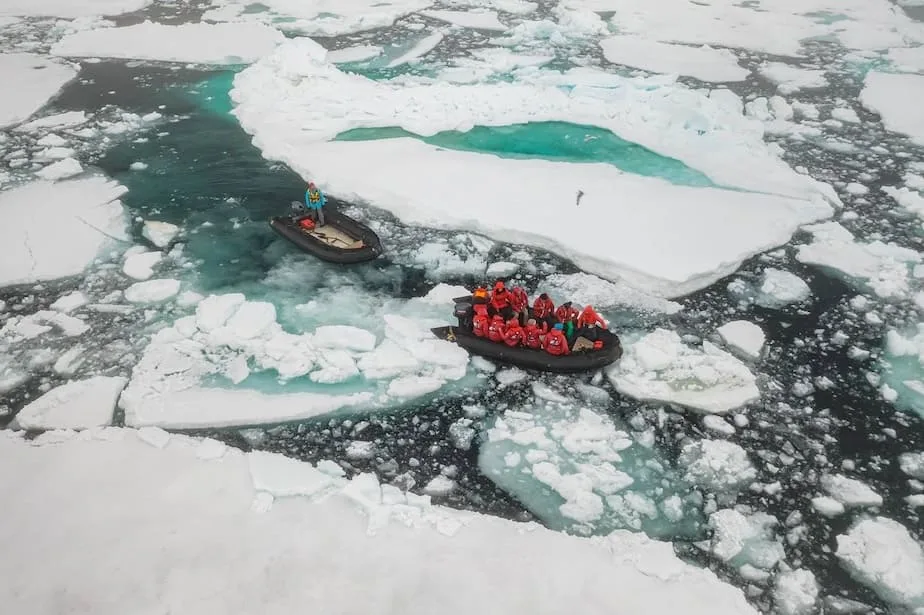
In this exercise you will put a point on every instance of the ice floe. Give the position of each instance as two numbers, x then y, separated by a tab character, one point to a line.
790	79
850	491
742	540
703	63
159	233
718	466
53	230
201	43
80	404
779	288
38	79
152	291
140	265
912	464
661	367
232	338
366	529
477	20
907	59
795	592
744	337
586	289
884	268
354	54
69	9
882	554
892	96
63	169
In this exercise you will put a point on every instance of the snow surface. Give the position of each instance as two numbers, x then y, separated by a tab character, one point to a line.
38	80
202	43
882	554
743	336
221	540
316	18
63	169
660	367
477	20
910	59
893	96
70	8
80	404
790	79
703	63
296	86
231	337
38	218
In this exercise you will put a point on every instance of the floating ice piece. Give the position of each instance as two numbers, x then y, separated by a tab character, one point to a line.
38	79
790	79
795	592
80	404
892	96
743	336
68	119
703	63
501	269
586	289
201	43
850	491
845	114
159	233
70	302
27	327
152	291
718	466
66	9
54	230
740	539
912	464
476	20
883	268
354	54
660	367
882	554
779	288
139	266
911	200
829	507
63	169
420	49
283	476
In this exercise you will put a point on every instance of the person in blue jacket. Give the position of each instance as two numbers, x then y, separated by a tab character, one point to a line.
314	201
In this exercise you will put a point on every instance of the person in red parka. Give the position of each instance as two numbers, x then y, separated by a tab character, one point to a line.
519	302
514	335
532	335
555	342
566	313
588	317
543	307
500	301
480	321
496	329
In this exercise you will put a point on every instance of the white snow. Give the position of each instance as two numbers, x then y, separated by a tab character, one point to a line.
893	97
152	291
80	404
159	233
883	268
912	464
703	63
354	54
202	43
779	288
231	337
477	20
295	85
38	79
795	592
63	169
69	9
743	336
54	230
140	264
660	367
882	554
850	491
910	59
790	79
205	526
316	18
587	289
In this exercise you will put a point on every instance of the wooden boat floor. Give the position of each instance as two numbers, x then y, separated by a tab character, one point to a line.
333	236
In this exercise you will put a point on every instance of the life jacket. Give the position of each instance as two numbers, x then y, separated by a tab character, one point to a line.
566	313
307	224
588	317
480	295
555	343
513	336
480	324
496	329
518	299
314	196
533	337
500	299
542	308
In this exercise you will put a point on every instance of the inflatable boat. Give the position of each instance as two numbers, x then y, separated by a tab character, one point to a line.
340	240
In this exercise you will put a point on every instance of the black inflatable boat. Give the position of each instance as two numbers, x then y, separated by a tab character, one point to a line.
341	240
527	357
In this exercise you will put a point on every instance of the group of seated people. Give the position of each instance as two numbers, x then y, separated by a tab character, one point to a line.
505	316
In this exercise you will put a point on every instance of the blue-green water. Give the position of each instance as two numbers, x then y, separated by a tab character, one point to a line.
559	141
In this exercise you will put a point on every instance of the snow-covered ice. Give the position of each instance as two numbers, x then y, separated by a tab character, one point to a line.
421	48
37	78
661	367
587	289
744	337
152	291
795	592
63	169
192	509
703	63
718	466
893	97
70	302
790	79
779	288
354	54
159	233
742	540
882	554
38	218
912	464
477	20
80	404
139	265
201	43
70	9
850	491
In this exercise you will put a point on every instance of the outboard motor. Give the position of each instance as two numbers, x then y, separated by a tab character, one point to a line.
298	209
464	312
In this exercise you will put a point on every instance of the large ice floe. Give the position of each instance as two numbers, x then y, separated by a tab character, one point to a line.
903	368
52	230
660	367
37	80
202	43
703	63
205	510
81	404
893	97
70	9
184	378
709	230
